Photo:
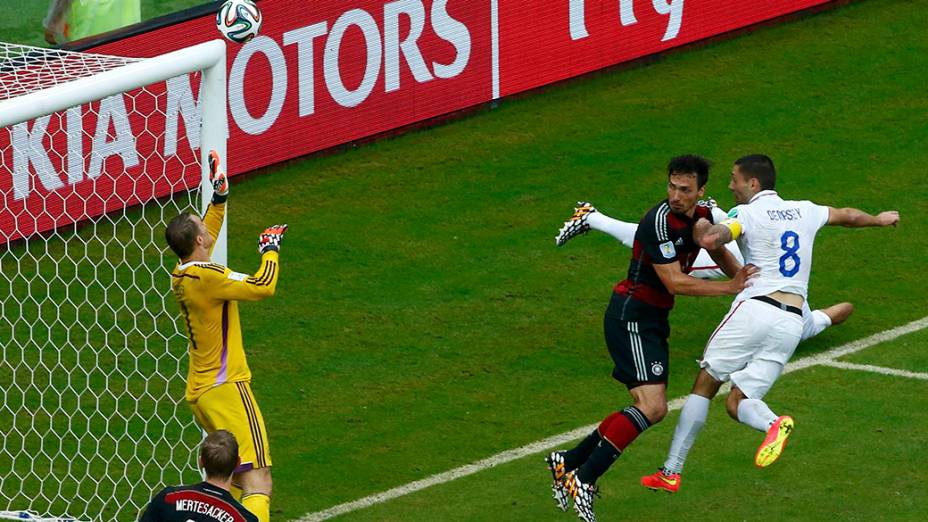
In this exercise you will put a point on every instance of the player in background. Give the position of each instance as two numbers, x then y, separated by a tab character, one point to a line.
210	500
587	217
218	378
755	340
636	329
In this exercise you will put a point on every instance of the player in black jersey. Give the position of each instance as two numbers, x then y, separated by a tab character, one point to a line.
208	501
636	328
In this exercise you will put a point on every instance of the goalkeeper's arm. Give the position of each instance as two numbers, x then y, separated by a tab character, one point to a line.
216	211
232	286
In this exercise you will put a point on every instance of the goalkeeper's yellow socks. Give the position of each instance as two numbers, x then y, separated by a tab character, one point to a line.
259	504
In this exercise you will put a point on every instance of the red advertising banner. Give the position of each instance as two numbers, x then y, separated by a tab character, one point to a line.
326	73
543	42
92	160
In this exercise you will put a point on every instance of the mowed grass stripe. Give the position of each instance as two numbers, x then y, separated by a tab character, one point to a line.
563	438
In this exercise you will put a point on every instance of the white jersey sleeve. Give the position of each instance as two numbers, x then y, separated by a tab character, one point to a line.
718	215
778	236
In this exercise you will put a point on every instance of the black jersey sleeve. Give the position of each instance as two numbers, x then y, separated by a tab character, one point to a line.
155	510
654	236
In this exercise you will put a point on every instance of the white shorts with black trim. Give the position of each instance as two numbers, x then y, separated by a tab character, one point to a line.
751	346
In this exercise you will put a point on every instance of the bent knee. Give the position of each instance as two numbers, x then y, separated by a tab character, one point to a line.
732	402
257	481
655	412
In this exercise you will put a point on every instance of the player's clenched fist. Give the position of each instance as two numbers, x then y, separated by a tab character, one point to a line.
888	218
270	238
218	179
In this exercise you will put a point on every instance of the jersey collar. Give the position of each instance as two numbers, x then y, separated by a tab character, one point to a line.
761	194
189	264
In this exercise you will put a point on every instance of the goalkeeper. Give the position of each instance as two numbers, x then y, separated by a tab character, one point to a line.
218	389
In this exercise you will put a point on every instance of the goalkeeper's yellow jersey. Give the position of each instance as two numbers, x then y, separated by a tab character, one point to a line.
207	294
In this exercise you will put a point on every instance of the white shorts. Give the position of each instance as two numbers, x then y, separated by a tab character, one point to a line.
751	346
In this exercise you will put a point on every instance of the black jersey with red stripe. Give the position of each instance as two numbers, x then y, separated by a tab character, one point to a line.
201	502
663	237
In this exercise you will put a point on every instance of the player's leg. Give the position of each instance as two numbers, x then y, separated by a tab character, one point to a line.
640	353
586	217
621	230
256	483
727	350
256	497
563	463
232	407
815	321
758	415
692	418
749	385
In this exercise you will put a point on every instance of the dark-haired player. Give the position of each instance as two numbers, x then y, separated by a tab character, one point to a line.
754	341
636	328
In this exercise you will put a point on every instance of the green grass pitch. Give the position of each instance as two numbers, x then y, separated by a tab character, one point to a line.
425	320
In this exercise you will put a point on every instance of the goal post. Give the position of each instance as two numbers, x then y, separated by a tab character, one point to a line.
208	58
92	358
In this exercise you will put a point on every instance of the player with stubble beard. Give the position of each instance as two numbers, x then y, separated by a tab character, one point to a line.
636	328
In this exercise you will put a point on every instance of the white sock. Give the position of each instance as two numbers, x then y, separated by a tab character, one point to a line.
813	323
692	418
624	232
756	414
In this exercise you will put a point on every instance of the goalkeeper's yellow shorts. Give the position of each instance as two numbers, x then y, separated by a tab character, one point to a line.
231	406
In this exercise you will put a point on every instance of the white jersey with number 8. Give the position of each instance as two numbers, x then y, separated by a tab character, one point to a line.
777	236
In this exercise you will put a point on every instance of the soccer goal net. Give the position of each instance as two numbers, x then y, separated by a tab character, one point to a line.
98	154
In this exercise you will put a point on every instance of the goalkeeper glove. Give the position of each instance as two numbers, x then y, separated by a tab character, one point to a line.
218	179
270	238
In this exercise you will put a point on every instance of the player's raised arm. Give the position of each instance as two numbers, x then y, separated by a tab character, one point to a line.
712	237
854	218
234	286
216	211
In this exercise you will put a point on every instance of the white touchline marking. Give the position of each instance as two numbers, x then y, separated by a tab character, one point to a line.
877	369
826	358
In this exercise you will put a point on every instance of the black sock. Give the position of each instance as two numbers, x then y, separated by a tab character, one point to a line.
602	457
575	457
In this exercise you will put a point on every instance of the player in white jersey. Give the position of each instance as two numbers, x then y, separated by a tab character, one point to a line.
757	337
586	217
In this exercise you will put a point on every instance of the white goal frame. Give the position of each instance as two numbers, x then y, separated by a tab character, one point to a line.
208	59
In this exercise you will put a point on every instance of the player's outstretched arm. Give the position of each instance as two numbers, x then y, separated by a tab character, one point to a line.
725	260
712	237
854	218
678	283
269	240
216	211
233	286
218	179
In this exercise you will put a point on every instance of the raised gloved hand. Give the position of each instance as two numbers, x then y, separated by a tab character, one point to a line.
270	238
218	179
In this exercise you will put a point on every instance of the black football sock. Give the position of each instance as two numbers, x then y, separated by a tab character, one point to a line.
578	455
602	457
